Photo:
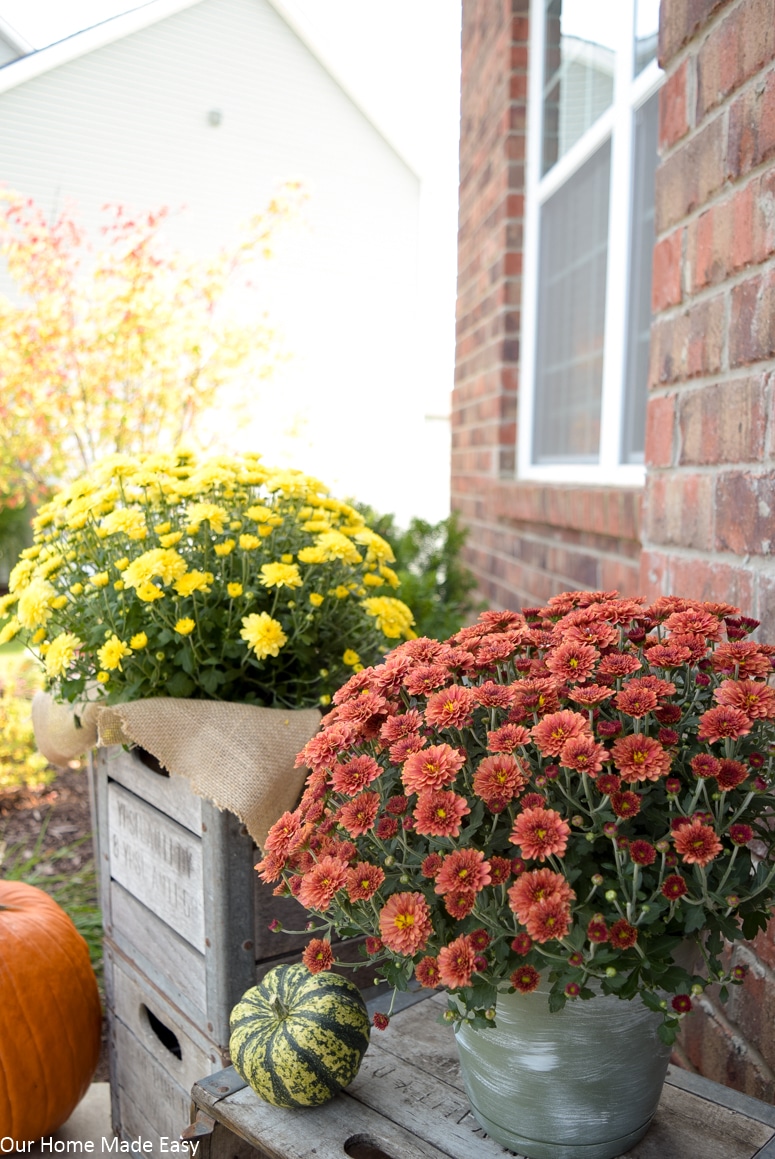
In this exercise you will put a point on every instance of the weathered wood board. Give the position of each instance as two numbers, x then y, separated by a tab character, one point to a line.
398	1094
158	862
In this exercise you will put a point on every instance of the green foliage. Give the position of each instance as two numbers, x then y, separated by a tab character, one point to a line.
435	582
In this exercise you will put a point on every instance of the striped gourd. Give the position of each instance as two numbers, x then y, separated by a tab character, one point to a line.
297	1037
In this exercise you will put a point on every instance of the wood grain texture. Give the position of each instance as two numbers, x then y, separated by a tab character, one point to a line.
407	1100
158	861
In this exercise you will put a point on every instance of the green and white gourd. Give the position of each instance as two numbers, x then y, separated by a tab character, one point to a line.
298	1038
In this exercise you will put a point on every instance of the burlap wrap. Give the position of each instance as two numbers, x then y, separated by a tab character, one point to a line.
236	755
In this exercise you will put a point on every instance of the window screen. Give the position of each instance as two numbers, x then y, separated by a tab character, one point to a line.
571	315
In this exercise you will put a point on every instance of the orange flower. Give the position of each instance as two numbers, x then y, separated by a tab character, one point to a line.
405	923
698	844
551	733
539	833
456	963
318	955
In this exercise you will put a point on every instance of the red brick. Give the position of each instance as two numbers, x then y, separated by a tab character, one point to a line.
735	50
707	579
679	508
666	272
660	422
688	344
654	574
765	612
690	175
673	119
720	1052
751	1006
751	138
743	246
709	245
723	423
678	21
752	322
762	195
745	513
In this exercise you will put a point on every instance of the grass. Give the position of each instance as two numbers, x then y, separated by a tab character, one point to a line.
75	892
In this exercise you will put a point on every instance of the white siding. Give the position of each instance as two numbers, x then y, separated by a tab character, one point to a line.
129	122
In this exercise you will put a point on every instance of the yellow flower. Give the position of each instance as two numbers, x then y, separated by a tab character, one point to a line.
376	547
34	606
21	574
211	513
103	677
391	577
113	652
224	548
312	555
11	629
39	636
287	558
277	575
258	513
171	539
60	653
128	521
334	545
163	562
76	589
59	602
234	590
315	599
249	542
194	581
118	585
7	602
393	617
185	626
325	699
263	634
162	528
138	641
120	564
373	581
148	592
351	658
341	592
265	531
100	580
235	525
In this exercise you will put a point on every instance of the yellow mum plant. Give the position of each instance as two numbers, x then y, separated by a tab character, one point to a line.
162	575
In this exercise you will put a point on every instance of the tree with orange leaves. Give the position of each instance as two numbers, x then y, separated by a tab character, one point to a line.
120	350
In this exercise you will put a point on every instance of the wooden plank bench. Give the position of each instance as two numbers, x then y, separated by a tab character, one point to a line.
408	1102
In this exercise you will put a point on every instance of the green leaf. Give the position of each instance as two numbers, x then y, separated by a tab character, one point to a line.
668	1032
394	974
180	685
556	1001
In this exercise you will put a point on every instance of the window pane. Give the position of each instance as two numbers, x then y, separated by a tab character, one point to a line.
571	312
641	250
579	59
646	31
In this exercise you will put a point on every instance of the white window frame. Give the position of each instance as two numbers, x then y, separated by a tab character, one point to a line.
617	122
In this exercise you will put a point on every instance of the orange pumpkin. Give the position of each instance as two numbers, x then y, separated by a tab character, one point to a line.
50	1017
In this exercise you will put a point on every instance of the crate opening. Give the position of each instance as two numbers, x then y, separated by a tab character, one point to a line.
365	1147
150	761
165	1036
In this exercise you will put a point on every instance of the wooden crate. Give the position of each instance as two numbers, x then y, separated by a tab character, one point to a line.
184	913
408	1102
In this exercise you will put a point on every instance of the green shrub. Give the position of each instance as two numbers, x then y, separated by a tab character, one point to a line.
435	583
20	762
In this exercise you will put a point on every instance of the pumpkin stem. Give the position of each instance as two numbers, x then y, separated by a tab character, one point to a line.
279	1007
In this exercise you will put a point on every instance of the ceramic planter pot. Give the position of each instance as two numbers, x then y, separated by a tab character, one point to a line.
582	1083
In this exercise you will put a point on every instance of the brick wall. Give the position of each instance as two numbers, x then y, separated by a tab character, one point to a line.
709	506
709	510
526	541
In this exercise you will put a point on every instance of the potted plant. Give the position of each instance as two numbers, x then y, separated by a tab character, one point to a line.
546	814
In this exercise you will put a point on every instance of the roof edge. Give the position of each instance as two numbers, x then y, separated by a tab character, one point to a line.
80	43
286	12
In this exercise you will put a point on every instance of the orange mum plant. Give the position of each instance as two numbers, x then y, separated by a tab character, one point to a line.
575	790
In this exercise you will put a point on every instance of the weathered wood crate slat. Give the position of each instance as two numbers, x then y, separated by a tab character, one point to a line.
187	919
398	1106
